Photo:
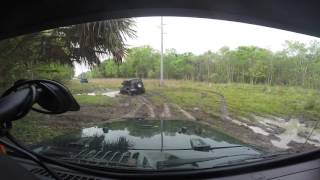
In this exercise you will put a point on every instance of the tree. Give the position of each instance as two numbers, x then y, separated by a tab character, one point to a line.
89	40
144	61
82	43
296	65
298	52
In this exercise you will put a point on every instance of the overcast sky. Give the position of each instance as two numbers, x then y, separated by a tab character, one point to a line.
198	35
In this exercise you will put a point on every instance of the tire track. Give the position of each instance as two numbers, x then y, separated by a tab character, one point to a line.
133	113
142	102
149	105
223	106
185	113
166	111
144	105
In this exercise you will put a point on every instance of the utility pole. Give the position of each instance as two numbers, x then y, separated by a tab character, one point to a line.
161	130
161	57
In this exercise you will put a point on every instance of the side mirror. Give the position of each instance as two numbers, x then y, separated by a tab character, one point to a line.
55	98
18	100
52	96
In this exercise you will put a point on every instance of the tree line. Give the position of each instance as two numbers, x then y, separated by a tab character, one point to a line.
297	64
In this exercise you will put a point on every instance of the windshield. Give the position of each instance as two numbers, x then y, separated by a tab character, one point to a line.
170	93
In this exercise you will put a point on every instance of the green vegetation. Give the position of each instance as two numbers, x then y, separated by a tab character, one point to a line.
297	64
269	100
241	99
139	62
193	98
58	72
32	129
253	80
246	99
52	53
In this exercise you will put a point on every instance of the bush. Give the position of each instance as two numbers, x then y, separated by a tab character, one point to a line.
57	72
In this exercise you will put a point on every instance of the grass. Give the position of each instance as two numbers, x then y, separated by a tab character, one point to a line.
31	129
242	99
266	100
194	99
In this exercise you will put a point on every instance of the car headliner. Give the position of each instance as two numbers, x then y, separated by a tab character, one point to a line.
21	17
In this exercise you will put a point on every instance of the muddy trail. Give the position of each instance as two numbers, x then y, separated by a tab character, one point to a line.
145	108
264	134
124	107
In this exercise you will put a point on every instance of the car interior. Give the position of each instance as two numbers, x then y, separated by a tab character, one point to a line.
55	159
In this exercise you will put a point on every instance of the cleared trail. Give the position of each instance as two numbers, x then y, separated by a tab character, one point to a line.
166	111
185	113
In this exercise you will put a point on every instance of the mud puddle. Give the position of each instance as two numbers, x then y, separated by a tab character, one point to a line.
282	133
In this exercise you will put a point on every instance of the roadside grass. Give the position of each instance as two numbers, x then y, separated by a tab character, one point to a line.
264	100
31	130
192	98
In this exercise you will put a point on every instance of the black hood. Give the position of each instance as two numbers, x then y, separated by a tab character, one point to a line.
137	142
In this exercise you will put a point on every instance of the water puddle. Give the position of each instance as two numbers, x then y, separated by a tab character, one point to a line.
111	93
293	128
253	128
108	93
290	131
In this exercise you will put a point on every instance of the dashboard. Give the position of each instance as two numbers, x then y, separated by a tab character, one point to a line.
19	168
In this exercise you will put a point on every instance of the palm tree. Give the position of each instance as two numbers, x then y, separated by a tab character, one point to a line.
90	40
82	43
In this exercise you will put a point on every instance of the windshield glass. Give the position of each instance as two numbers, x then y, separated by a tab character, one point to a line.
170	93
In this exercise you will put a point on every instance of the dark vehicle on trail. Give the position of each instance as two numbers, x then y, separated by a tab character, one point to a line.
84	80
132	87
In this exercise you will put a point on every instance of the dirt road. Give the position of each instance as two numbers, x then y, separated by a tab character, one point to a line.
144	108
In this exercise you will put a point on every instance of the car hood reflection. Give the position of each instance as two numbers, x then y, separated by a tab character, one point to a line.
145	143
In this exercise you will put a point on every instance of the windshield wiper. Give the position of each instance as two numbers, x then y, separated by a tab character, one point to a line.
259	157
176	149
180	162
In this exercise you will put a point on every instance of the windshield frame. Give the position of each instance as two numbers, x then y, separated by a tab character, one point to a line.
295	158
